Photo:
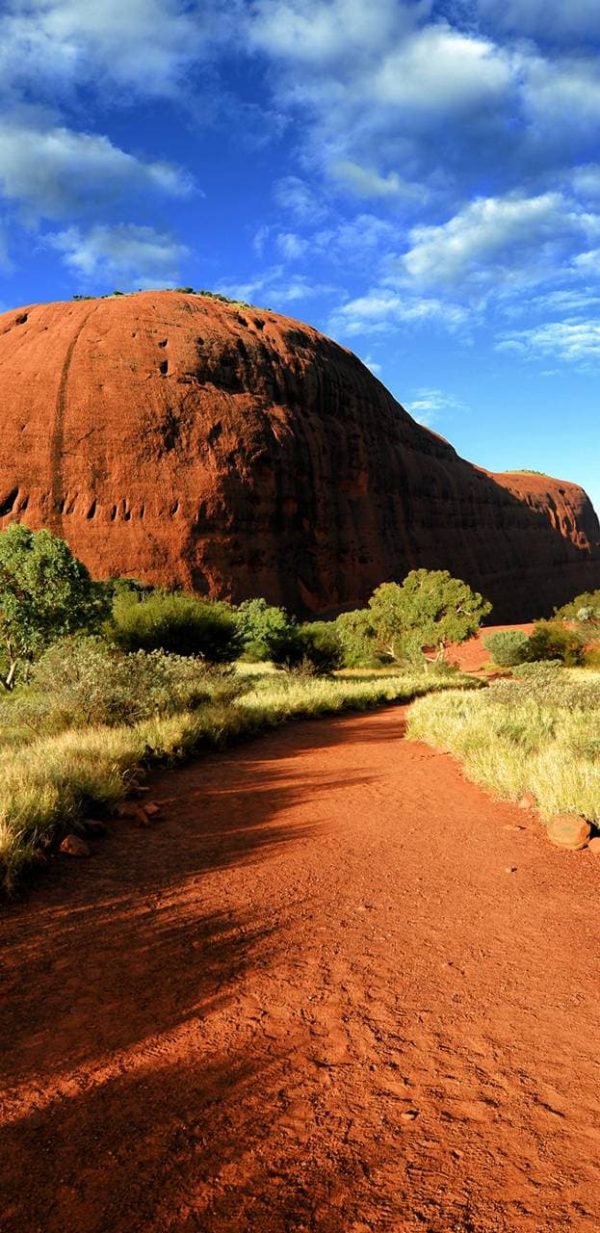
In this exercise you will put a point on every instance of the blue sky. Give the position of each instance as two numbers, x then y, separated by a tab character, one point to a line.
420	179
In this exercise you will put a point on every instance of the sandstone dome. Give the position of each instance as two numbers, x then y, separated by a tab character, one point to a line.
185	440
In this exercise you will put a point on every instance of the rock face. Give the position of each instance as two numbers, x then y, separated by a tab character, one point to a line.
183	440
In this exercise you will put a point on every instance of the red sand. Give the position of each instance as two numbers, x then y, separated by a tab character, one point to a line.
312	999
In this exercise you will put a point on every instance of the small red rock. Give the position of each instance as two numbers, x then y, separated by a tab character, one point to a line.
151	808
73	845
567	830
594	845
527	801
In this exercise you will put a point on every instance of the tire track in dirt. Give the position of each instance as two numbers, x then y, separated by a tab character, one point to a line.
312	1000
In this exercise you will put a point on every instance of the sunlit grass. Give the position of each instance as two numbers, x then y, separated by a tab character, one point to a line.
550	747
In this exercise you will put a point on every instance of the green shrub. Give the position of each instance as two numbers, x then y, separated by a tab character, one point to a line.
82	682
176	623
540	669
553	640
45	593
321	645
357	639
507	647
262	628
588	603
312	648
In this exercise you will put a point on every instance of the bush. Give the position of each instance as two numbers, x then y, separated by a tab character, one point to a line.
588	603
81	682
552	640
45	593
507	647
262	628
179	624
357	639
321	645
312	648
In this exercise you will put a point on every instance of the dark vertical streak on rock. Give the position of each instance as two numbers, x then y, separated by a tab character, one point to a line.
57	440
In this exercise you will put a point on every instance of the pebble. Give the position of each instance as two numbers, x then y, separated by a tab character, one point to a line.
72	845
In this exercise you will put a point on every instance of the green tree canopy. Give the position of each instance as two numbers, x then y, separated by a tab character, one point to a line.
45	594
357	637
429	609
262	627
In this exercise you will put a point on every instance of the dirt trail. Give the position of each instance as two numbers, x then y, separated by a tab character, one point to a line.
311	999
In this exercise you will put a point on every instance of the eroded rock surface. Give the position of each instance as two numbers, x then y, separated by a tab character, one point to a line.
237	452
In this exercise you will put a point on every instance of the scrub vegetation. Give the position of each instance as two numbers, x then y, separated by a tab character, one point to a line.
103	680
538	733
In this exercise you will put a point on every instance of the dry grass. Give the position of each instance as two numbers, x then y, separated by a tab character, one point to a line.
524	737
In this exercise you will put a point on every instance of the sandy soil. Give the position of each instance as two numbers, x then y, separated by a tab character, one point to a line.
312	998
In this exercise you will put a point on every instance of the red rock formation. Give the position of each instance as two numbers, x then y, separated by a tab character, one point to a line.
236	452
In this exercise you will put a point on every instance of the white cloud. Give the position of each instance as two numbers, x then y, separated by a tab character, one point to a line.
563	300
54	171
441	70
325	32
493	241
140	256
564	19
260	239
274	288
589	262
297	197
367	182
571	341
364	237
558	93
382	310
291	246
586	181
429	404
144	45
373	365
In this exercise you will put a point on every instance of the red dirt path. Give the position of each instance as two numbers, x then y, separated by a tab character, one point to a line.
311	999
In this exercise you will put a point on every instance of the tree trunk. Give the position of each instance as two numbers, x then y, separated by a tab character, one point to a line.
9	680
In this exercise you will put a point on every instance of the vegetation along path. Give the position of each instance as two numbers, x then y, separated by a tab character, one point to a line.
336	989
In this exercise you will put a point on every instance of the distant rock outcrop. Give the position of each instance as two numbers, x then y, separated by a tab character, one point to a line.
236	452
